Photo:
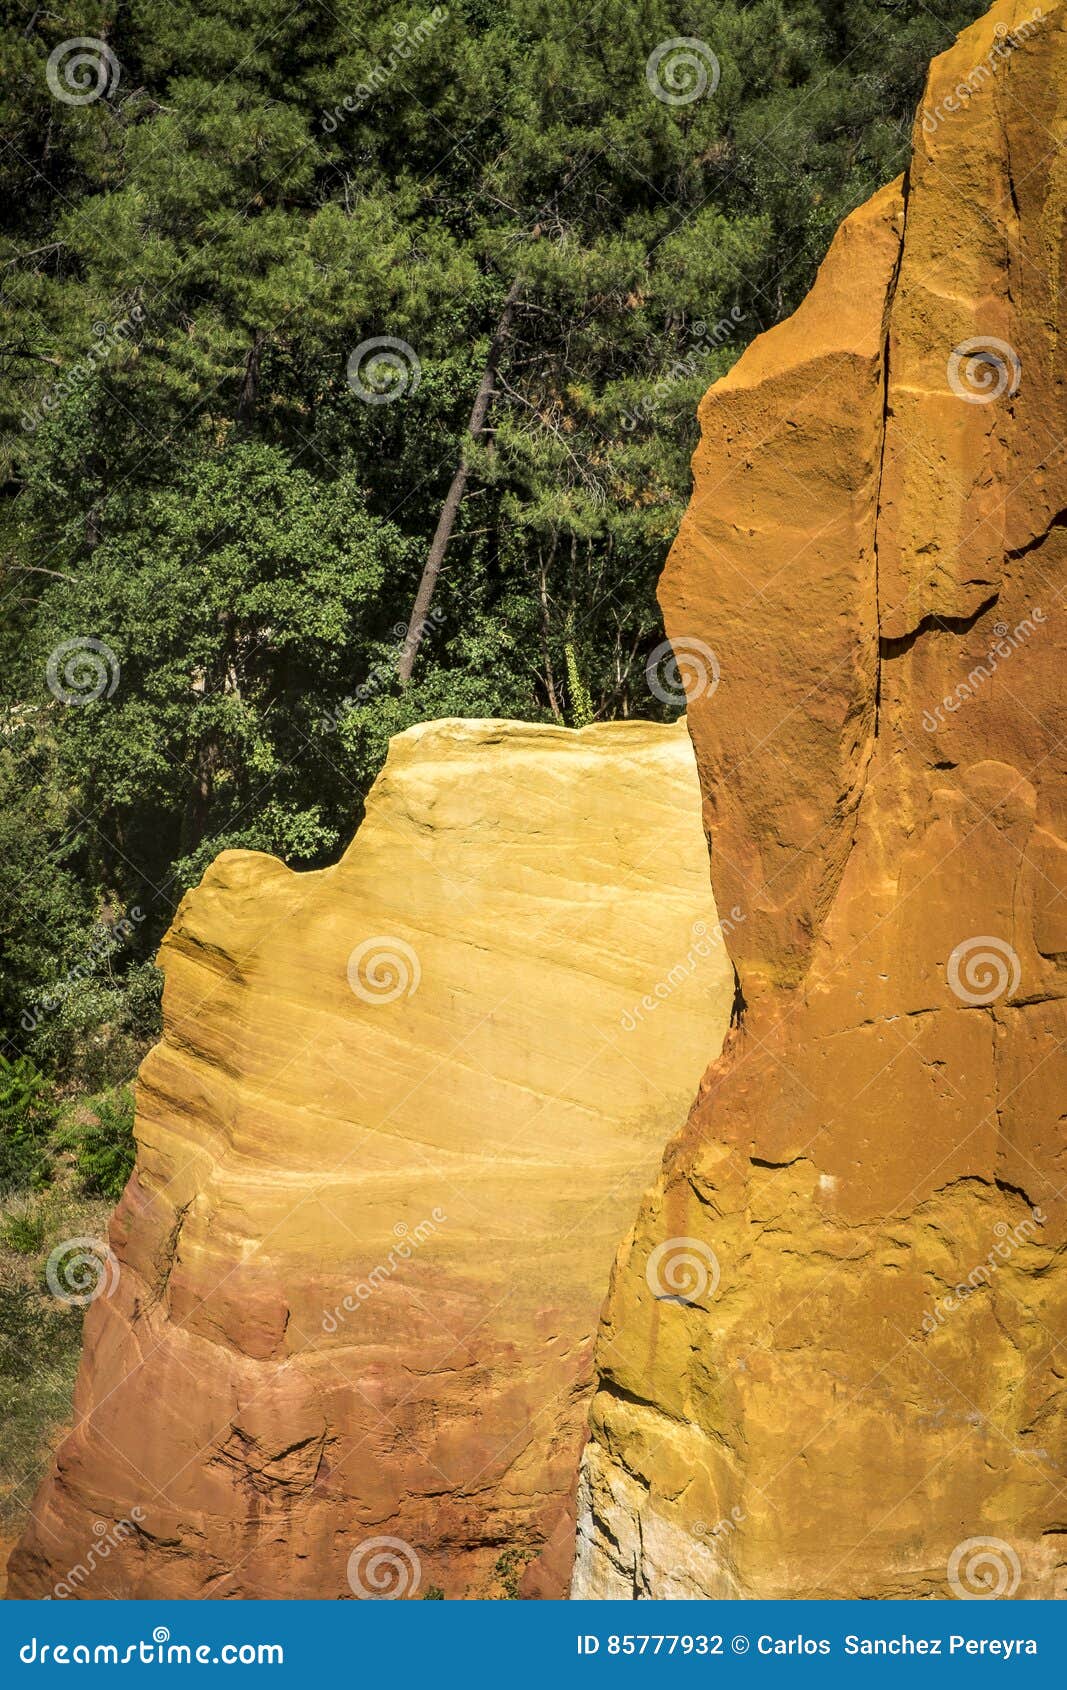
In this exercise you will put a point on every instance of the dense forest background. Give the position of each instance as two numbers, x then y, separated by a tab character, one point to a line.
218	502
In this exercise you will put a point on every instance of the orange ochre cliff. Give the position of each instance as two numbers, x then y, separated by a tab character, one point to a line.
834	1361
402	1111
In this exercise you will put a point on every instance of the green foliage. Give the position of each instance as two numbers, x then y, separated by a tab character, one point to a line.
433	1593
581	703
40	1337
103	1146
25	1117
194	485
39	1349
27	1329
23	1231
509	1569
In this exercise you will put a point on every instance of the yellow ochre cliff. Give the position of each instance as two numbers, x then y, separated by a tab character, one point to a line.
400	1115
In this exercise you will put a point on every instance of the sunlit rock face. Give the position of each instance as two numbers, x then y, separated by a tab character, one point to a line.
402	1111
832	1361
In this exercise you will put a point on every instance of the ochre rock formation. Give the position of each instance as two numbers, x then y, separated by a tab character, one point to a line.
834	1357
402	1111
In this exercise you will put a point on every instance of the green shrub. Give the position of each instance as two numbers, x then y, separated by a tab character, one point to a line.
23	1230
103	1147
26	1114
510	1567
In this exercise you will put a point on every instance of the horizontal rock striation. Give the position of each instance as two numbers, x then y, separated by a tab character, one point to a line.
400	1115
834	1357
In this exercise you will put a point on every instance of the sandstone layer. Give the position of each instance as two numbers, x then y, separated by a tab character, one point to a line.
833	1361
401	1113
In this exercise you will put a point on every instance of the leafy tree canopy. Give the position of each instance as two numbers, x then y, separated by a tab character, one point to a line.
217	509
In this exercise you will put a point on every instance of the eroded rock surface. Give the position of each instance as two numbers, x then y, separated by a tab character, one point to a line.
401	1113
833	1359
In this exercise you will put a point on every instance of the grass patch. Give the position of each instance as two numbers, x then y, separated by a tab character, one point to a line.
40	1337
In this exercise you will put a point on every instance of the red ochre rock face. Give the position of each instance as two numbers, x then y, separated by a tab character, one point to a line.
401	1112
833	1361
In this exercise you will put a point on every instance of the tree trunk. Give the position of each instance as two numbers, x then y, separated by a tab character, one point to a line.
454	498
546	630
249	394
208	757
